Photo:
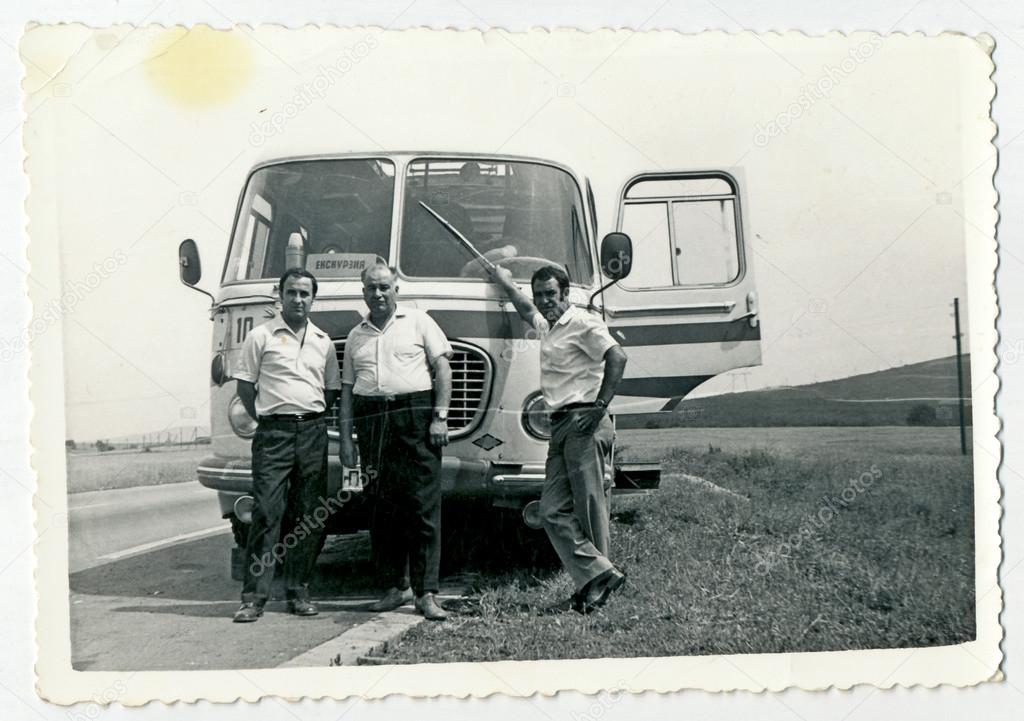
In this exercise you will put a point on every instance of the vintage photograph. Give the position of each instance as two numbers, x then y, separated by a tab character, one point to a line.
382	349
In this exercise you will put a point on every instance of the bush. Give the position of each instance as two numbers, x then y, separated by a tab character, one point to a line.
921	414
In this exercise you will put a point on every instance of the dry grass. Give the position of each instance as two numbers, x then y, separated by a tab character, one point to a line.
93	471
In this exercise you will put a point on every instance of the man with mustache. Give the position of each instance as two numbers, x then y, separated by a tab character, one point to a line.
287	378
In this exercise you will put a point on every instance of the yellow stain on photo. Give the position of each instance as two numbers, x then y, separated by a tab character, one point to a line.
199	67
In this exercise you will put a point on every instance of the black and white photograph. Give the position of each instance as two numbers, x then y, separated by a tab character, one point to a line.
619	353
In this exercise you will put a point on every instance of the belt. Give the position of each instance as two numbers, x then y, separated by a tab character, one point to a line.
292	417
560	414
397	398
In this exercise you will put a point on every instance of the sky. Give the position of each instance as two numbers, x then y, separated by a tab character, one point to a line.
859	166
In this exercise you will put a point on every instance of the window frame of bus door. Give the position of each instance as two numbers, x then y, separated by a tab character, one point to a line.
667	201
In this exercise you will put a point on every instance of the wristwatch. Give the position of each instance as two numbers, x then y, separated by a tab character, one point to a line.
441	414
601	403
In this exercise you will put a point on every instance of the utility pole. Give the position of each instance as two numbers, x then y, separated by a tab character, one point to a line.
960	376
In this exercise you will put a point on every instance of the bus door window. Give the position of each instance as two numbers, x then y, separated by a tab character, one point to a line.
683	231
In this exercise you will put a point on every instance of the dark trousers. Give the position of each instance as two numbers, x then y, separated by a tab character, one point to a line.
289	476
404	479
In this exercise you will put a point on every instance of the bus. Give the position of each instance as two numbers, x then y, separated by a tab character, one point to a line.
672	278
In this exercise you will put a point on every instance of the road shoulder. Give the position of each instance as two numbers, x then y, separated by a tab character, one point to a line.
362	640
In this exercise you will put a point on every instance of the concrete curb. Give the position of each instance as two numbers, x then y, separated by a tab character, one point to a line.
363	640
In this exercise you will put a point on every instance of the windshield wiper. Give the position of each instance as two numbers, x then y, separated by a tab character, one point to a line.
488	265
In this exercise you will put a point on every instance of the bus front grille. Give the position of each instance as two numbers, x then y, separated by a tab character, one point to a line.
471	388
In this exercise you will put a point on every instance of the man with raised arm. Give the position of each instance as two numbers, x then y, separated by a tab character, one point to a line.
400	415
287	378
581	365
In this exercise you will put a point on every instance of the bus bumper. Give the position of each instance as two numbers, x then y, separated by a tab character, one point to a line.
459	478
508	484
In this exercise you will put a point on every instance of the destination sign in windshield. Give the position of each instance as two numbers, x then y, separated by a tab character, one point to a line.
338	265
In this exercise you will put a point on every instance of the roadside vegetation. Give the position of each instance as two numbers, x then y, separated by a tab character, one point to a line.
846	545
95	471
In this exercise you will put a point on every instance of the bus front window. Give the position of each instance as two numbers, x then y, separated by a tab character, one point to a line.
519	215
340	209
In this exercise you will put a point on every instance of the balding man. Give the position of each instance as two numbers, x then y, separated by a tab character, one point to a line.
396	388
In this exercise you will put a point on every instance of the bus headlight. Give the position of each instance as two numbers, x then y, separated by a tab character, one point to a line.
537	417
241	422
218	369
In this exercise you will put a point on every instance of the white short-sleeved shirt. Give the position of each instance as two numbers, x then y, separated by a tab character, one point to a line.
572	356
291	370
395	359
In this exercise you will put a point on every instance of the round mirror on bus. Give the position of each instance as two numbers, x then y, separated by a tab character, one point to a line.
616	256
188	262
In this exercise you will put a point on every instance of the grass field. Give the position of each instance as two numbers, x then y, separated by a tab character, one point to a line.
822	539
93	471
816	442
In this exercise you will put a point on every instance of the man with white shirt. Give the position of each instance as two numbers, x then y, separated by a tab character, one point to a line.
581	366
287	378
399	410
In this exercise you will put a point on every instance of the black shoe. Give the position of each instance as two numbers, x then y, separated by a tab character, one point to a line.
600	589
248	612
302	607
575	602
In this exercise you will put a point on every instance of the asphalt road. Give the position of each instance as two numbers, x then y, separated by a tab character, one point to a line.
151	589
112	525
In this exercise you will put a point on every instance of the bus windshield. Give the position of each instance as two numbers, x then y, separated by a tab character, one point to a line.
337	212
519	215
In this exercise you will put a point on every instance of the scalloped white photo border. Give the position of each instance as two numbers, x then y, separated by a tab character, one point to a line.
961	665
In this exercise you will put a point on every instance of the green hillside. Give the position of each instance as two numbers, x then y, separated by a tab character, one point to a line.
917	394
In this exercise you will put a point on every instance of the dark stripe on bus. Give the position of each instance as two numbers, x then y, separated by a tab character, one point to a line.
336	323
727	332
671	403
665	387
480	323
507	326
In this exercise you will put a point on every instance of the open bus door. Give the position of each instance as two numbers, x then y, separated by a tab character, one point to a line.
687	310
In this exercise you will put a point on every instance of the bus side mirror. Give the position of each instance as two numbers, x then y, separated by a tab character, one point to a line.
616	256
188	263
